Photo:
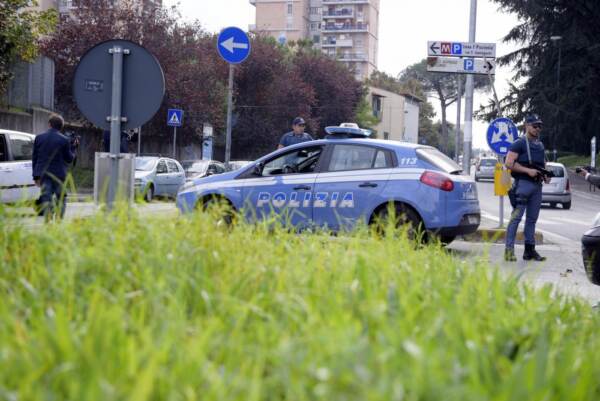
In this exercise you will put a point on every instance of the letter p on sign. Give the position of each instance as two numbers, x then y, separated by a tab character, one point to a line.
469	64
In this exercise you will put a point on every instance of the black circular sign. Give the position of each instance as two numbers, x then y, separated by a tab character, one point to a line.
143	84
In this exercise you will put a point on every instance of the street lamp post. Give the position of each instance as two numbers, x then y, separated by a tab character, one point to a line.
556	39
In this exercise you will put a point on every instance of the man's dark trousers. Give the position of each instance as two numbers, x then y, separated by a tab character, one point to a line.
51	188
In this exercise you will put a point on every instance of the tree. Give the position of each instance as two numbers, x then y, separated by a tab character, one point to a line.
571	106
441	86
20	30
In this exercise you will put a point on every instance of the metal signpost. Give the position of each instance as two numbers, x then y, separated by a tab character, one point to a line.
174	119
501	133
233	45
461	65
118	85
207	142
593	161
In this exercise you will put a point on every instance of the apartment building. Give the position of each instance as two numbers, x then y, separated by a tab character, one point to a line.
344	29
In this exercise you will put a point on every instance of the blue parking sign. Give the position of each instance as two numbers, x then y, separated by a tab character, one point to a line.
175	118
469	64
457	48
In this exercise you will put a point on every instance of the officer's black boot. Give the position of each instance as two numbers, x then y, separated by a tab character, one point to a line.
531	254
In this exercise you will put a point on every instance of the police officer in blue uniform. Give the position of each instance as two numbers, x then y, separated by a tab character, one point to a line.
297	135
524	154
52	152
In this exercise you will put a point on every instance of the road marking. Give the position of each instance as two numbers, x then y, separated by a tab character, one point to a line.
556	237
571	221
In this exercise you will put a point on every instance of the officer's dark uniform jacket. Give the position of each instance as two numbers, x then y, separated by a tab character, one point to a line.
537	156
51	154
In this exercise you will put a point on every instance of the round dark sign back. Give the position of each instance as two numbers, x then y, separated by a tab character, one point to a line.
143	84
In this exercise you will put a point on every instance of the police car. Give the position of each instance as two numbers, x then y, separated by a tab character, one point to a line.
16	181
345	179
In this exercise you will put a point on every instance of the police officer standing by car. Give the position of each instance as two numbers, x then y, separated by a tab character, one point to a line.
52	151
297	135
524	155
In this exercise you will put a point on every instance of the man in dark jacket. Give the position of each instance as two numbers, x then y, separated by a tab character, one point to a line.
52	152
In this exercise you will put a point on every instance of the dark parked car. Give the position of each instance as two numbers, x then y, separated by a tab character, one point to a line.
202	168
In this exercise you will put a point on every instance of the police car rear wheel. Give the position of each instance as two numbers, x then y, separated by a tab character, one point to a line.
404	216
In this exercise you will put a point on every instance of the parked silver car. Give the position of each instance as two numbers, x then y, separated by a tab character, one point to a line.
158	176
559	188
202	168
485	168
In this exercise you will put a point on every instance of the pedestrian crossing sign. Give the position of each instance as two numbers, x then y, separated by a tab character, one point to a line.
175	117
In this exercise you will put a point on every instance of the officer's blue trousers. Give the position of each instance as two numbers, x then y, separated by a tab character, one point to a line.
529	199
53	196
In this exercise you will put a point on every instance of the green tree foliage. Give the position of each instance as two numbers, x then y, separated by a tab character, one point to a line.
444	88
275	84
570	110
20	29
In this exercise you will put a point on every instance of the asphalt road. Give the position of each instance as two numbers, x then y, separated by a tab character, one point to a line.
557	225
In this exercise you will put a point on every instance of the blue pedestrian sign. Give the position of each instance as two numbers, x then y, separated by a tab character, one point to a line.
502	133
175	117
233	45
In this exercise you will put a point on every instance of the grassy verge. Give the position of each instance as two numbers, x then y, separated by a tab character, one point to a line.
83	178
576	160
123	308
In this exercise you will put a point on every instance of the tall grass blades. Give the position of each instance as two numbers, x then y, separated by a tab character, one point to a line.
119	307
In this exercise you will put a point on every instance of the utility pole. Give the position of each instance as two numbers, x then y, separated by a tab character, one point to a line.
469	89
458	106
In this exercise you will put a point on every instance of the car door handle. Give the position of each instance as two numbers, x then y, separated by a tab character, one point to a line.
302	188
368	185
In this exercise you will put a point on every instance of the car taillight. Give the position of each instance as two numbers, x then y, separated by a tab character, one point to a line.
437	180
568	186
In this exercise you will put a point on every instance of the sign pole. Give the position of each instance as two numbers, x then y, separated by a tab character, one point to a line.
458	106
115	121
139	152
593	159
229	111
469	98
174	141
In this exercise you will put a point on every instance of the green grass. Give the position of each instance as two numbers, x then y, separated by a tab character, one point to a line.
123	308
576	160
83	178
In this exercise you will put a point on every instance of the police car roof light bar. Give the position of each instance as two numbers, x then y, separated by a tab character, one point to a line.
346	132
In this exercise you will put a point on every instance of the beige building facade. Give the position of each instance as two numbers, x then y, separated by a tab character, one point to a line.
344	29
398	115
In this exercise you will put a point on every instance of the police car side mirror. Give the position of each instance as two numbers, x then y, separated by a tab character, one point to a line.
258	168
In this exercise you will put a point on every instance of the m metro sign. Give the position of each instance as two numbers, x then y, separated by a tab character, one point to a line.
461	66
461	49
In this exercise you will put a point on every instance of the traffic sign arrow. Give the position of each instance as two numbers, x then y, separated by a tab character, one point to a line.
489	67
434	48
230	45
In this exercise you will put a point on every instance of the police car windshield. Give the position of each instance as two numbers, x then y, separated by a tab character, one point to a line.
144	164
439	160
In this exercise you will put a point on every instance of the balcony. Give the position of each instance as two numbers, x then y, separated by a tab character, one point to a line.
346	2
338	43
352	57
359	27
65	6
344	13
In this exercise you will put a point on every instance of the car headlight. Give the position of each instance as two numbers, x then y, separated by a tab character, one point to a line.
596	222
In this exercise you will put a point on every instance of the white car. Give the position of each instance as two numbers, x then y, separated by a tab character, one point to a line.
558	190
158	176
16	181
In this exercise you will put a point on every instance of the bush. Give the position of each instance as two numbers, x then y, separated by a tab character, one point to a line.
120	307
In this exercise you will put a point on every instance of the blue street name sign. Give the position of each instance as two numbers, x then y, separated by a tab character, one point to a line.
175	117
502	133
233	45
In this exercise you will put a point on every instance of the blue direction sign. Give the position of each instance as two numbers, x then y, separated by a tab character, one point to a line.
233	45
175	117
502	133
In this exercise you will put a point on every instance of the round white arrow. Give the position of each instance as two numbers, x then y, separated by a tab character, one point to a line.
230	45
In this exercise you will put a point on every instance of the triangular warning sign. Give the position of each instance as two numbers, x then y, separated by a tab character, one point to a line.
174	119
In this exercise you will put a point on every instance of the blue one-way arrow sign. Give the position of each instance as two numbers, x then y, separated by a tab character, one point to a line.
233	45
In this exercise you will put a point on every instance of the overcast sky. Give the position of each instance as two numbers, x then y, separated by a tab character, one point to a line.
405	27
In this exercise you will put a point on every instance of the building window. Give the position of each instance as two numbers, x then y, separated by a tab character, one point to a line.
316	39
315	10
290	9
386	135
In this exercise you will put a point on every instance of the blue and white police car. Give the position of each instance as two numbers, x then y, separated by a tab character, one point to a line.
345	179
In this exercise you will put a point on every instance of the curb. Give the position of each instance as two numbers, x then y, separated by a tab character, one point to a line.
498	236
